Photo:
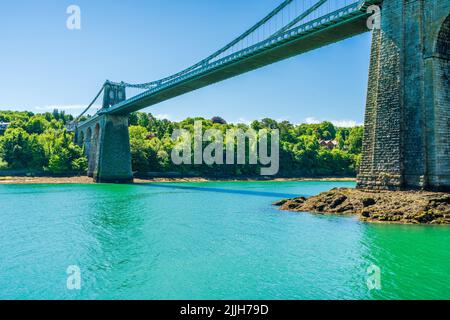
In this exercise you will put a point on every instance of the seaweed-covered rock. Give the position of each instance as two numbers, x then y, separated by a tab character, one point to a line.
412	207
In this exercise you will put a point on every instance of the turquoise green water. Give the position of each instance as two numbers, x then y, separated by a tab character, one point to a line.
206	241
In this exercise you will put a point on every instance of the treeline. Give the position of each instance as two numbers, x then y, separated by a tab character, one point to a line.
40	143
303	152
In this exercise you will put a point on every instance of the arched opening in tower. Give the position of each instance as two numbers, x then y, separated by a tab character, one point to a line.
442	108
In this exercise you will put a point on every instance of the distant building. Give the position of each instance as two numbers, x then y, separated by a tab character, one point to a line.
3	126
71	126
329	144
151	136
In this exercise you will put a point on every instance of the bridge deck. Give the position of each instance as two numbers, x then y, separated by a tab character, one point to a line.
342	24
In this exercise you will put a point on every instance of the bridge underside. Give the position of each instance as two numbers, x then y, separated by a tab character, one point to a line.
322	37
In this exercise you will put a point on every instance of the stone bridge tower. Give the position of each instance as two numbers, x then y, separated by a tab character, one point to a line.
106	140
407	121
113	94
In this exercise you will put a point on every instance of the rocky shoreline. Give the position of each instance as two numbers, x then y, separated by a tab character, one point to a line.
87	180
407	207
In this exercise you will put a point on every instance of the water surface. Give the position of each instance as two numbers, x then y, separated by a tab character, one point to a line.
215	240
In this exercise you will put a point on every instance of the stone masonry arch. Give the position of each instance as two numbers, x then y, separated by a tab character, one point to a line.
438	107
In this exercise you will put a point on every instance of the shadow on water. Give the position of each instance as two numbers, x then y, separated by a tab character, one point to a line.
222	190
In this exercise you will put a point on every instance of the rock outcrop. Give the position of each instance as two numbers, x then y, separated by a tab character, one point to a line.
409	207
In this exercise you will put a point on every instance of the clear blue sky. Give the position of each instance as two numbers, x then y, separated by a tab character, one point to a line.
43	64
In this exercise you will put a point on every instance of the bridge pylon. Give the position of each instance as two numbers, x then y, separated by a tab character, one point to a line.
113	94
113	156
106	140
407	122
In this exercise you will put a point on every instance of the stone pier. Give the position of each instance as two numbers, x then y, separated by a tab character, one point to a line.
407	121
113	157
106	141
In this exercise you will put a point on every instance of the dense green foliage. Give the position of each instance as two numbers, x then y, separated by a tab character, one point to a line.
300	151
39	143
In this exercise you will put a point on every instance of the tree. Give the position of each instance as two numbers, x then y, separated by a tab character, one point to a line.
141	152
326	130
218	120
305	153
40	142
256	125
20	150
342	136
133	119
65	155
37	124
61	116
143	120
355	140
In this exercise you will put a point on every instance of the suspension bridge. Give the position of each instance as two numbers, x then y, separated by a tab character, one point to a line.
293	28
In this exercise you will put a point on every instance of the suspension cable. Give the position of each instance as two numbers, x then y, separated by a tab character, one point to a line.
214	55
219	53
91	104
300	17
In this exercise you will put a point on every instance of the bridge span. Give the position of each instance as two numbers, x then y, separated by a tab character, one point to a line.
406	141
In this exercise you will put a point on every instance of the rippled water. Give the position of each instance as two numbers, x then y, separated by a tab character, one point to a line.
206	241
